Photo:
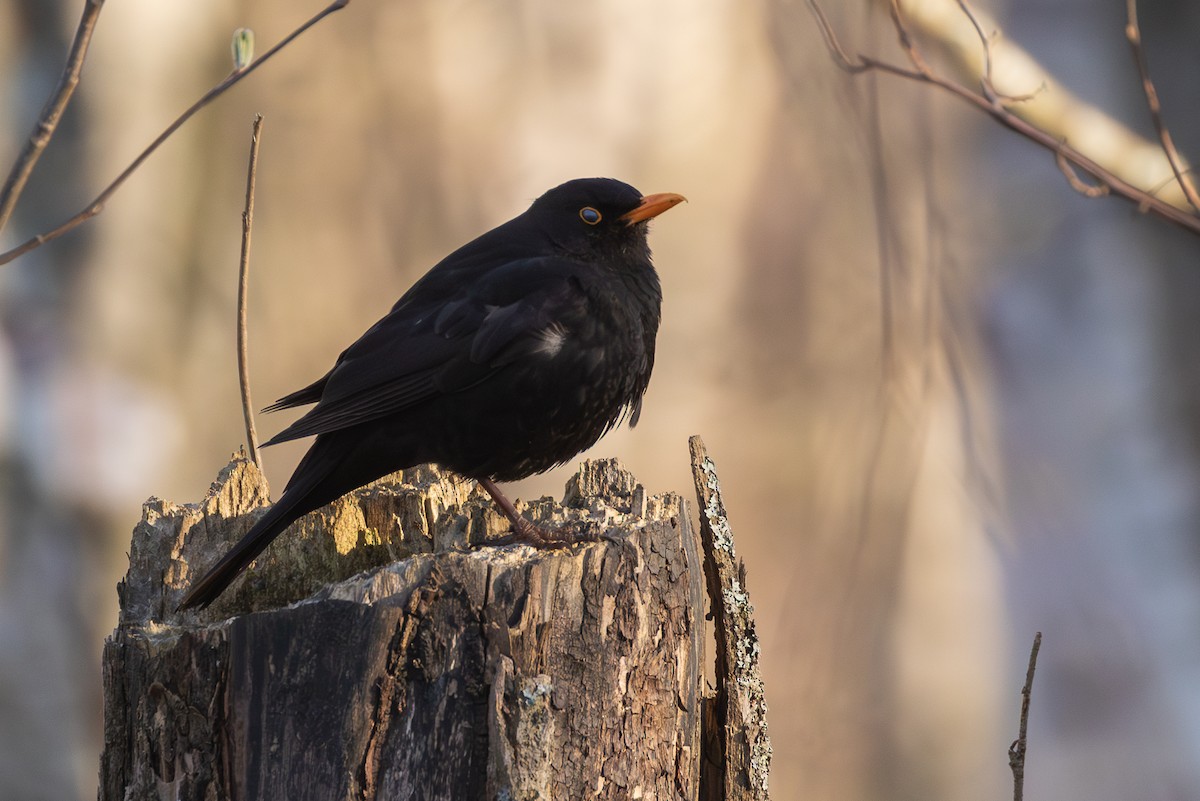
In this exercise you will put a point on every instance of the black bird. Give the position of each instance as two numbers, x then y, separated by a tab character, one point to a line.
513	354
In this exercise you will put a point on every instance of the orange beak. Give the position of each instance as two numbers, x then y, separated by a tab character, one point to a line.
652	206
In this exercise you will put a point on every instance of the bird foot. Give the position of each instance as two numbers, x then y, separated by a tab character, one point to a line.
526	533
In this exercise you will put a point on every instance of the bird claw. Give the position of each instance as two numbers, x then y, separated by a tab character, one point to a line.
526	533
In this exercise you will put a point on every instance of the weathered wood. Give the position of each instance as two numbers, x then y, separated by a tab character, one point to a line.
736	718
449	674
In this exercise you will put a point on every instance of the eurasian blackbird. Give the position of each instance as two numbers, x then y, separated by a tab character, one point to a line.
513	354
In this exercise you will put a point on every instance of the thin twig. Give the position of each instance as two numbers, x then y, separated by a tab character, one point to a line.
52	113
985	40
243	290
831	41
1165	182
907	43
1016	751
986	82
1134	34
1078	184
1144	201
97	205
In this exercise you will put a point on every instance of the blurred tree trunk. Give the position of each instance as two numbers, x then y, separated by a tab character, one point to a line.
851	328
49	542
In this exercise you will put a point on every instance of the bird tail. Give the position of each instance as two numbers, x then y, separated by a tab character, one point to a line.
314	484
214	582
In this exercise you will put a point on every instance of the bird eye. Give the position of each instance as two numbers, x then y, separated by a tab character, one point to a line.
589	215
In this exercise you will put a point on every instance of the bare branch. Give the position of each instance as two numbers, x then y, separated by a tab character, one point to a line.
1063	152
907	43
831	41
1164	183
1134	34
985	40
858	64
243	291
97	205
1016	752
1078	184
988	88
52	113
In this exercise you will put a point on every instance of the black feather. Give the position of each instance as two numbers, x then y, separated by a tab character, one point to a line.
510	356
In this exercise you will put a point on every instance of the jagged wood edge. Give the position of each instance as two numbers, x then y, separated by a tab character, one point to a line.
740	704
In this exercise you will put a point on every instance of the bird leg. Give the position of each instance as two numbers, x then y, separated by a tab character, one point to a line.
524	531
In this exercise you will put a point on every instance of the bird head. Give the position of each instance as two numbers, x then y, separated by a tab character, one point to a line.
599	217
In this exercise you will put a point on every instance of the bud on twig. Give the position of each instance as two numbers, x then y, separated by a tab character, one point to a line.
243	48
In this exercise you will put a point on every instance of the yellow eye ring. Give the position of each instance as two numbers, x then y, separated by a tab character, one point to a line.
589	215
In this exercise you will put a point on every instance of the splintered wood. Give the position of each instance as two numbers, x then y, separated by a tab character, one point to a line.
738	712
426	670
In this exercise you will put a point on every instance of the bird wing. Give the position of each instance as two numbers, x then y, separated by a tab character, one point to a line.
438	344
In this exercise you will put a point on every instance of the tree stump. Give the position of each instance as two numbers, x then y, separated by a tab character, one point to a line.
373	653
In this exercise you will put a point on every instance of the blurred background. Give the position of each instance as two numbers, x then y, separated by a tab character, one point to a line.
952	401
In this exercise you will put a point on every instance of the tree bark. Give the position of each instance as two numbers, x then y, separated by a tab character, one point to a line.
503	673
737	748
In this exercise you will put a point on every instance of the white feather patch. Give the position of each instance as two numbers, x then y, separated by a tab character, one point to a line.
552	338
